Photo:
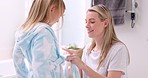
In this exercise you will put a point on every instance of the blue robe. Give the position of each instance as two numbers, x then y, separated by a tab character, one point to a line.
39	47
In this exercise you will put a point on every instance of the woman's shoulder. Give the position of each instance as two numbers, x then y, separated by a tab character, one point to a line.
118	48
118	45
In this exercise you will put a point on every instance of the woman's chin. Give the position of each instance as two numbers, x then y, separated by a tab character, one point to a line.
90	36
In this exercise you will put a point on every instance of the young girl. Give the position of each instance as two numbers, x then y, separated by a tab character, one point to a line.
35	41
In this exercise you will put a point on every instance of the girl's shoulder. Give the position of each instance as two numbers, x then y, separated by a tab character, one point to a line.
40	27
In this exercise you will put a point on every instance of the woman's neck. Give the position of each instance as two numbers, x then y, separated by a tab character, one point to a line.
99	43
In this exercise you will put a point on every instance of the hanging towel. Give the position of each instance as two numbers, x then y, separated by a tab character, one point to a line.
117	8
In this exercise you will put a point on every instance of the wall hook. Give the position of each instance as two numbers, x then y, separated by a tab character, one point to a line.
132	24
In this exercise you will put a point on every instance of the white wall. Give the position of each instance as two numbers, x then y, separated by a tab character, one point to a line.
136	40
11	16
74	20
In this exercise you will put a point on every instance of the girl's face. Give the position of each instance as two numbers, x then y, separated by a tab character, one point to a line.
55	15
95	27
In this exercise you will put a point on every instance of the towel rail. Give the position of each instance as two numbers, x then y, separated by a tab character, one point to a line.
134	5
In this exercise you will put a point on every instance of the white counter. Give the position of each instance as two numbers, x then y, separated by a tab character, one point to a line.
7	69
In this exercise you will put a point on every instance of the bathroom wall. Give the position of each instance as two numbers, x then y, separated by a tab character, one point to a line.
74	23
11	16
136	40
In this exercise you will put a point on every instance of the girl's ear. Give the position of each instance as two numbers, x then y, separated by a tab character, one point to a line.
52	8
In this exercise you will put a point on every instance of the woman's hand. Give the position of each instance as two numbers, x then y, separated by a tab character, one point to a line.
74	58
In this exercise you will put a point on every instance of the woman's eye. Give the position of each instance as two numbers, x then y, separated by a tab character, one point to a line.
92	22
85	21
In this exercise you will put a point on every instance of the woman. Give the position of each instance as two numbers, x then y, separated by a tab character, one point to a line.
36	42
106	56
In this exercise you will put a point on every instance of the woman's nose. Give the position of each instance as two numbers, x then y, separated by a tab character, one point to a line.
86	25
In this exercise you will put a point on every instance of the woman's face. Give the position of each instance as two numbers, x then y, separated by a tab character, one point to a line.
95	27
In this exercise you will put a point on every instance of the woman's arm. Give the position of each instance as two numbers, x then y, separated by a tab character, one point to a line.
114	74
90	72
74	58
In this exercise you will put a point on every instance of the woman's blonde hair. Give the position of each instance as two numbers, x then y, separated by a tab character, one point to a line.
109	35
39	12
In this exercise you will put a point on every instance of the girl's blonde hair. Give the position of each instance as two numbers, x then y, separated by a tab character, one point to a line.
39	12
109	35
